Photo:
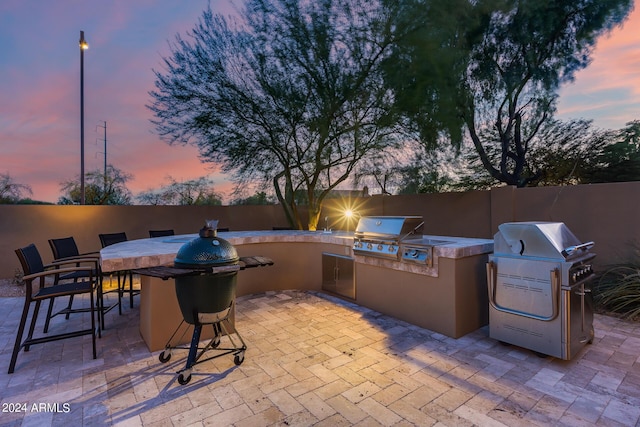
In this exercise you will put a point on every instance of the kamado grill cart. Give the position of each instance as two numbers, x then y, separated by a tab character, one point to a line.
539	279
205	272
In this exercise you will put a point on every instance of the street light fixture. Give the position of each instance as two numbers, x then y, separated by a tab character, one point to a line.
83	46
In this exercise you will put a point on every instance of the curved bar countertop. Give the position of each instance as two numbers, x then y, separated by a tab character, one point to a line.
449	297
154	252
157	251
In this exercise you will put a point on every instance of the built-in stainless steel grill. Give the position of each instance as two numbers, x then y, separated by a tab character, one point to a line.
395	237
381	235
538	283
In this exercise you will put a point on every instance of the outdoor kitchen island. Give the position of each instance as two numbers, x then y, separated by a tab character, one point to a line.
449	297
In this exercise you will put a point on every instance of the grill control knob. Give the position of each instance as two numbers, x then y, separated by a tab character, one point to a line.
391	248
369	246
380	247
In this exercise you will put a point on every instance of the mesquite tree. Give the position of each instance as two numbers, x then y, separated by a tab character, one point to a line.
12	191
290	93
101	189
493	68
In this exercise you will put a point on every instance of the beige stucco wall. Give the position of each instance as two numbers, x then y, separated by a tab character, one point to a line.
605	213
21	225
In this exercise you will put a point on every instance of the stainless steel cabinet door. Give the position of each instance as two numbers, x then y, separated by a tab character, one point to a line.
337	275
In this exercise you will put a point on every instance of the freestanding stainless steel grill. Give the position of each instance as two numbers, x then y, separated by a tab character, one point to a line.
538	283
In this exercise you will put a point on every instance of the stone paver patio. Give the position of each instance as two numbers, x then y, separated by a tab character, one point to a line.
317	360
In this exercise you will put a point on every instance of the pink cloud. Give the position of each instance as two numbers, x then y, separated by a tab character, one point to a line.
607	90
39	111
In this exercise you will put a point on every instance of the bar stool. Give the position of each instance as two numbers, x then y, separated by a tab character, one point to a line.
108	239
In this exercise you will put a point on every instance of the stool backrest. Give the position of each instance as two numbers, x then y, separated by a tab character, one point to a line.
30	259
64	248
109	239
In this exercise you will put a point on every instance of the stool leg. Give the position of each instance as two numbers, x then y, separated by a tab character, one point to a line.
130	289
93	319
68	307
34	317
49	313
18	344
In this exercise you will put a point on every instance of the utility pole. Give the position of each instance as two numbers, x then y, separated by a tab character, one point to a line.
105	153
83	45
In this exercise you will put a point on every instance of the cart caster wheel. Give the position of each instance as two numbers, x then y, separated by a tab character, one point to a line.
164	356
184	380
216	342
239	358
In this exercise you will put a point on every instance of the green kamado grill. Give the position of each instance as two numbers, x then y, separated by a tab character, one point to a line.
206	294
208	291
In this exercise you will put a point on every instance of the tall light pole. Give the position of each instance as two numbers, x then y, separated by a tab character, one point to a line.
83	46
105	153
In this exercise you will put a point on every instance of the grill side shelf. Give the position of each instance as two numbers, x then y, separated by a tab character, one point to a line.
255	261
169	272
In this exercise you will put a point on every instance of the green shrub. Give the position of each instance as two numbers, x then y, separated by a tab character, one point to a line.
17	277
617	290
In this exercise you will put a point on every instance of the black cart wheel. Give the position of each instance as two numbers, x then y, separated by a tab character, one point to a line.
239	358
184	380
164	356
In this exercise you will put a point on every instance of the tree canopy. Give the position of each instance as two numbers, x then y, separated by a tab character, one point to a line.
11	191
304	95
493	68
619	160
291	93
101	188
198	191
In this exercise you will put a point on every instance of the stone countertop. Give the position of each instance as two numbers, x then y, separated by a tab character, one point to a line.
157	251
443	247
153	252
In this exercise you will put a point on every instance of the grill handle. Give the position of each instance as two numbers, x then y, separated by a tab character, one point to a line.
555	284
412	231
567	252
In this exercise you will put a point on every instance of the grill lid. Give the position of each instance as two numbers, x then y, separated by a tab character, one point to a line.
206	250
538	239
388	227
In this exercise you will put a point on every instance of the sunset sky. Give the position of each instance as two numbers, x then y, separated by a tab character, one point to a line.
40	89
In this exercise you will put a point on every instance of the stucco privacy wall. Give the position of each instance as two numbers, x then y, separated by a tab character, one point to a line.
605	213
608	214
21	225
